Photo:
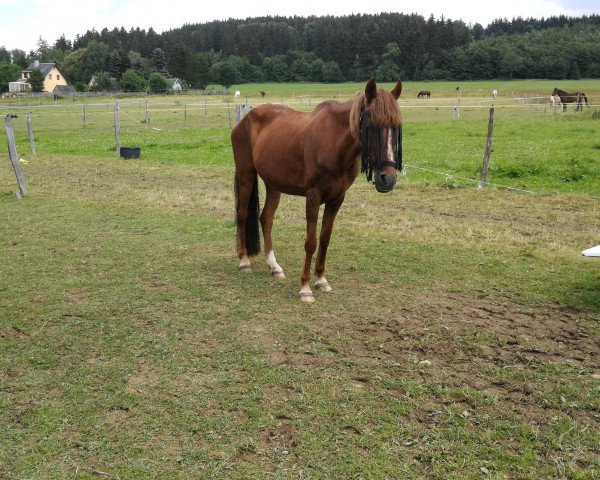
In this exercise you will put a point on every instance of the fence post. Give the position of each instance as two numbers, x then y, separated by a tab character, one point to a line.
83	114
14	158
238	114
147	115
229	113
488	151
31	135
185	115
117	130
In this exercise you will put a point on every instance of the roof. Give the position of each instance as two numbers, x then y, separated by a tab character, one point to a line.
42	67
64	89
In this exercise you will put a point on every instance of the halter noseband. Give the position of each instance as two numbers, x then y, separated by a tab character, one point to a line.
367	163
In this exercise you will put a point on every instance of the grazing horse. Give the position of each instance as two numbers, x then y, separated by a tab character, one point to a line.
314	155
262	94
236	94
423	94
565	98
494	93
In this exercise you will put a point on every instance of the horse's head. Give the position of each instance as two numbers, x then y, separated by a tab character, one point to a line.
379	134
555	92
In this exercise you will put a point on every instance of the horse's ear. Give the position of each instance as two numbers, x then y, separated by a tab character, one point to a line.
371	89
397	90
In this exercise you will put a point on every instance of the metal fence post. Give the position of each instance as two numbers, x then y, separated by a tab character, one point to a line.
31	135
117	130
488	151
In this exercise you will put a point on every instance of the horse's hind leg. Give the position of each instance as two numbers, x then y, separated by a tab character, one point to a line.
243	190
266	221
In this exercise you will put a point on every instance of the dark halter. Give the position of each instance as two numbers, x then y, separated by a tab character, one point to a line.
369	164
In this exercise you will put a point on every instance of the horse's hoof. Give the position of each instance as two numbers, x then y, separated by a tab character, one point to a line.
307	297
246	268
279	275
323	286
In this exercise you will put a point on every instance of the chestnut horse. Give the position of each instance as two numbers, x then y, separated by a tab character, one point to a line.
565	98
423	94
314	155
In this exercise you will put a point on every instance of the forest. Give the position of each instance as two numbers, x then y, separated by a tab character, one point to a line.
322	49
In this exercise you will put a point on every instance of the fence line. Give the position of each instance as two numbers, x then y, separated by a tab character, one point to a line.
138	108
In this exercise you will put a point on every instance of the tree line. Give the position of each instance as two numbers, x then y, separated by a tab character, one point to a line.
323	49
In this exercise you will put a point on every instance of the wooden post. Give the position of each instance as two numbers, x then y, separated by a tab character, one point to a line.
185	115
229	113
238	114
14	158
117	130
147	115
31	135
205	108
488	151
83	115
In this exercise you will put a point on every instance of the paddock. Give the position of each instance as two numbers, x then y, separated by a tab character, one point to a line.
127	327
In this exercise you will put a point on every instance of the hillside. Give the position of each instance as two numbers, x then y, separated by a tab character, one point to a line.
333	49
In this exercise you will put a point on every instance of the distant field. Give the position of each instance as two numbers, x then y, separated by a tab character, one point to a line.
512	88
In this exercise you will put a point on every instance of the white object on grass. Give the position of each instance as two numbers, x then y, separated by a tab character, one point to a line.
592	252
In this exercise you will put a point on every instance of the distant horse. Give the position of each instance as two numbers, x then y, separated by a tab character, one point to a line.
314	155
494	93
262	94
565	98
423	94
237	94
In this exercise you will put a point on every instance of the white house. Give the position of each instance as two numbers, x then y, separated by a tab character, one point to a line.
175	84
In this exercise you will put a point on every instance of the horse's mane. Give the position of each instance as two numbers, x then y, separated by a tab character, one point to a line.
384	111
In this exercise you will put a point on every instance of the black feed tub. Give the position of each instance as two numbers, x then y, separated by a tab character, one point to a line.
130	152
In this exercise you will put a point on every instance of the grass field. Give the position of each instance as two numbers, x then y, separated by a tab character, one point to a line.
461	339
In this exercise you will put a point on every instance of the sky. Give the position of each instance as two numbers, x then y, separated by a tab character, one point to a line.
23	22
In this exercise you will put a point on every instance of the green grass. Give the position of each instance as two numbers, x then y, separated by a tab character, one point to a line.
461	339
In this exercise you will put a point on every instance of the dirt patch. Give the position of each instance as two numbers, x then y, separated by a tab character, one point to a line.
281	436
140	381
442	331
12	332
493	351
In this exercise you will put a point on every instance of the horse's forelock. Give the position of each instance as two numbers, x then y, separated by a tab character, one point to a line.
384	111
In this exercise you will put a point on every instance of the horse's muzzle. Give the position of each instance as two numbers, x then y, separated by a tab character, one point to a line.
384	182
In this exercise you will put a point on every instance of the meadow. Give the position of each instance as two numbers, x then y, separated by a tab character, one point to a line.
461	339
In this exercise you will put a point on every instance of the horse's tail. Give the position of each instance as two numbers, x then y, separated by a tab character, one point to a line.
246	178
586	100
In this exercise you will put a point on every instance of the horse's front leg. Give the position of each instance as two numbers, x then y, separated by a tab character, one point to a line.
313	202
331	210
266	221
